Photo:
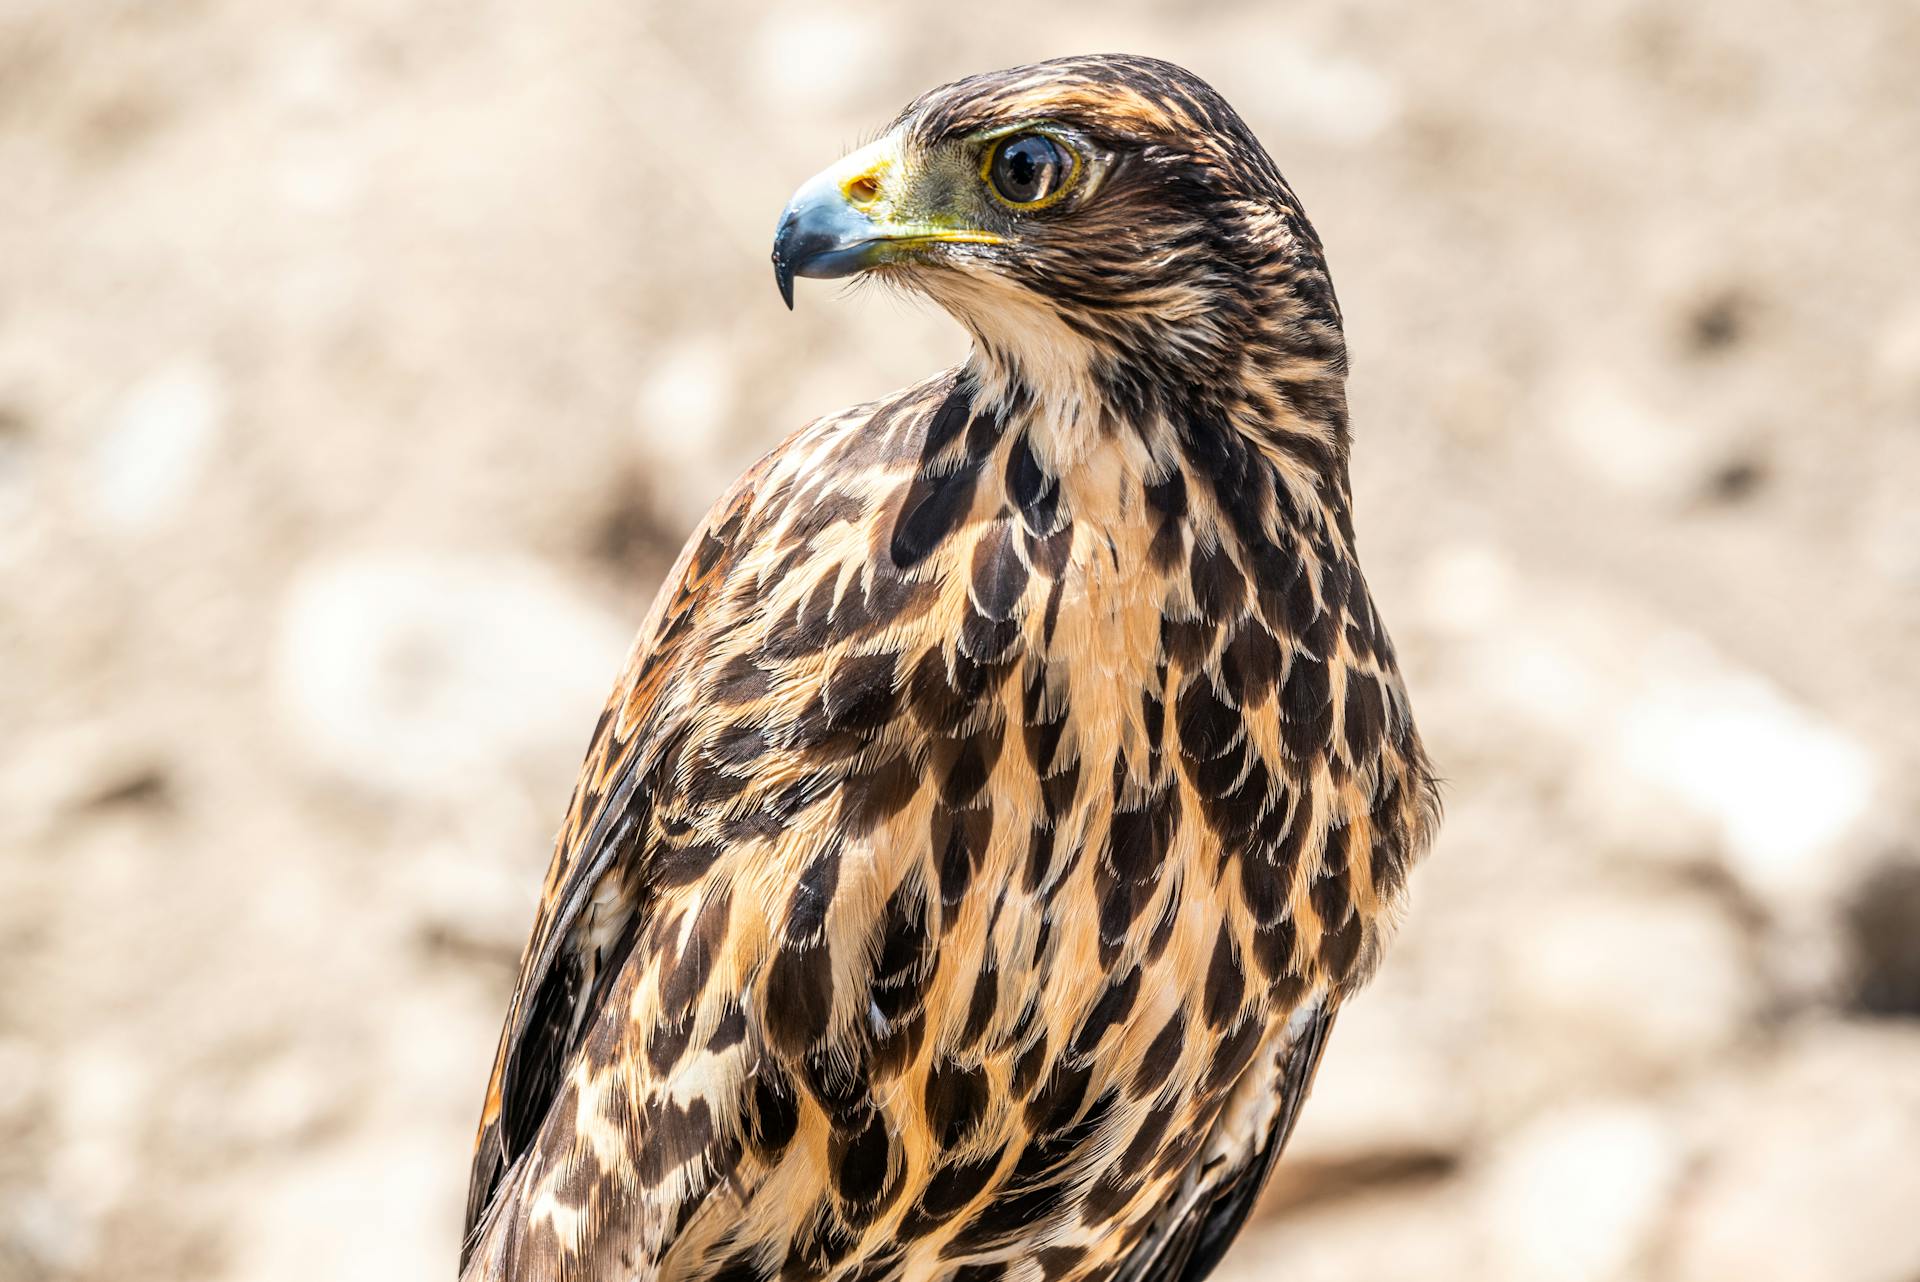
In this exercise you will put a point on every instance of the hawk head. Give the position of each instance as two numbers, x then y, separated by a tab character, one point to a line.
1104	218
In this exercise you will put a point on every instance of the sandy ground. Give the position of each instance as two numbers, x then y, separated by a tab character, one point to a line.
361	365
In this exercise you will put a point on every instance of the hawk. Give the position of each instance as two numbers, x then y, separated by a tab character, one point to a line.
1012	781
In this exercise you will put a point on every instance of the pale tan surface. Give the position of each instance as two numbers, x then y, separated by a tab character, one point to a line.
361	364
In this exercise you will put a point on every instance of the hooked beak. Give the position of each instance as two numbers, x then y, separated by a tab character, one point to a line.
840	222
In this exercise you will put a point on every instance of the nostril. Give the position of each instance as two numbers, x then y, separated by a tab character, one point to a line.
863	190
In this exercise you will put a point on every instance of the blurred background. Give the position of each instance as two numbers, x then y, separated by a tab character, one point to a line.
362	366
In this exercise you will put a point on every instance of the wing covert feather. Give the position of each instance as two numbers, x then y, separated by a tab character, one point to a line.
562	969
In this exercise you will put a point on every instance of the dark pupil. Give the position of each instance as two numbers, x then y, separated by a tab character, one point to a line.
1026	169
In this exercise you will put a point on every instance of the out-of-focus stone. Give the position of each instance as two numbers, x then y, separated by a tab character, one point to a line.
15	463
1811	1174
85	766
381	1186
1627	441
23	1084
1423	1231
1467	588
437	676
1608	987
1783	787
45	1237
467	888
1578	1195
1883	923
1758	782
682	409
98	1116
240	1103
154	451
1887	533
1896	348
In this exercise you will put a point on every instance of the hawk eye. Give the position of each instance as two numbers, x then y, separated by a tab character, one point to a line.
1026	169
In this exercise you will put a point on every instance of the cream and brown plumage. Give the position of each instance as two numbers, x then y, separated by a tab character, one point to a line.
1012	781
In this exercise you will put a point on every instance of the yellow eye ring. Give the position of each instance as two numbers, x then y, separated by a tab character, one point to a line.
1029	170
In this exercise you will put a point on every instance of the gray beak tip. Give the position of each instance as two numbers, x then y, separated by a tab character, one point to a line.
783	278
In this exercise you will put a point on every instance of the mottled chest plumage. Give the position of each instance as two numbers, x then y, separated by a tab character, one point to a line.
987	872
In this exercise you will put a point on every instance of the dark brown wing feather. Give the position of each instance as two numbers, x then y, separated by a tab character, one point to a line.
562	978
1189	1243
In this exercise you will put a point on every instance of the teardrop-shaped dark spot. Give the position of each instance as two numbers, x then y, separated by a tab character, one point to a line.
1306	707
1219	588
956	1100
1207	724
863	1161
776	1111
799	995
930	512
1031	488
999	575
1161	1055
1225	987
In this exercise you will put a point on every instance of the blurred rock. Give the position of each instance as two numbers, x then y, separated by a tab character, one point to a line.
1636	701
243	1100
1737	478
15	458
1888	534
437	676
97	1117
84	766
22	1083
1718	320
353	1208
42	1237
1883	924
1580	1194
151	457
1896	349
1428	1231
1615	433
1811	1176
1615	988
682	411
1467	588
467	886
1783	787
